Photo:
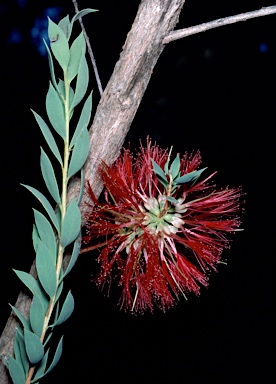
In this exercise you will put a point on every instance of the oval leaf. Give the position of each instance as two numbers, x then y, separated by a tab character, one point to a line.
64	24
37	315
82	82
55	111
83	120
46	269
48	136
80	153
76	51
16	371
67	309
34	347
57	356
59	44
45	231
45	204
71	224
175	167
49	176
24	322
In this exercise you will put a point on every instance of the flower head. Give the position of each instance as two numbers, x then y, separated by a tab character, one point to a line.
162	226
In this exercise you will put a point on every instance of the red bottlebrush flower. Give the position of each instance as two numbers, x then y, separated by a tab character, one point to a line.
161	229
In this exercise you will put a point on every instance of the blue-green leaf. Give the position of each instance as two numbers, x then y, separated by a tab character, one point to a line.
48	136
45	231
67	309
74	256
16	349
41	368
16	371
83	120
34	347
191	176
82	82
57	356
37	315
45	204
51	64
79	15
175	167
49	177
71	224
35	237
59	44
79	153
76	51
172	199
23	354
46	269
55	111
64	24
59	290
159	173
24	322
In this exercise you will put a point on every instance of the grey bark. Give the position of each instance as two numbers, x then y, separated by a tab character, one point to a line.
155	19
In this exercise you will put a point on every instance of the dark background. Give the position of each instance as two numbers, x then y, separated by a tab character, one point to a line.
215	92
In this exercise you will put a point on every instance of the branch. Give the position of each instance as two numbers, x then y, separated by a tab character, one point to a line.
175	35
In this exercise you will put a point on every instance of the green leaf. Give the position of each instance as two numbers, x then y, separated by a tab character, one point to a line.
79	153
59	44
175	167
34	347
76	51
37	315
41	368
82	82
46	269
49	176
51	64
83	120
61	88
23	354
16	371
45	231
71	224
159	174
79	15
45	204
35	237
191	176
24	322
16	349
56	357
64	24
74	256
48	136
59	290
67	309
28	280
55	111
172	199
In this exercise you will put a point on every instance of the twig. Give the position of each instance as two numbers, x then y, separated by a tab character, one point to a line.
175	35
89	50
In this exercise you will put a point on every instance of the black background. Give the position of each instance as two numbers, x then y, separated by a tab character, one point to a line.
214	91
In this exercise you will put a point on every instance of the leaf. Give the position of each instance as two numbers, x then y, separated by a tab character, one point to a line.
175	167
76	51
34	347
191	176
16	349
79	15
71	224
172	199
37	315
24	322
45	231
57	356
51	64
45	204
23	354
67	309
49	176
83	120
28	280
41	368
159	173
74	256
64	24
48	136
59	290
59	44
16	371
55	111
82	82
35	237
46	269
80	153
